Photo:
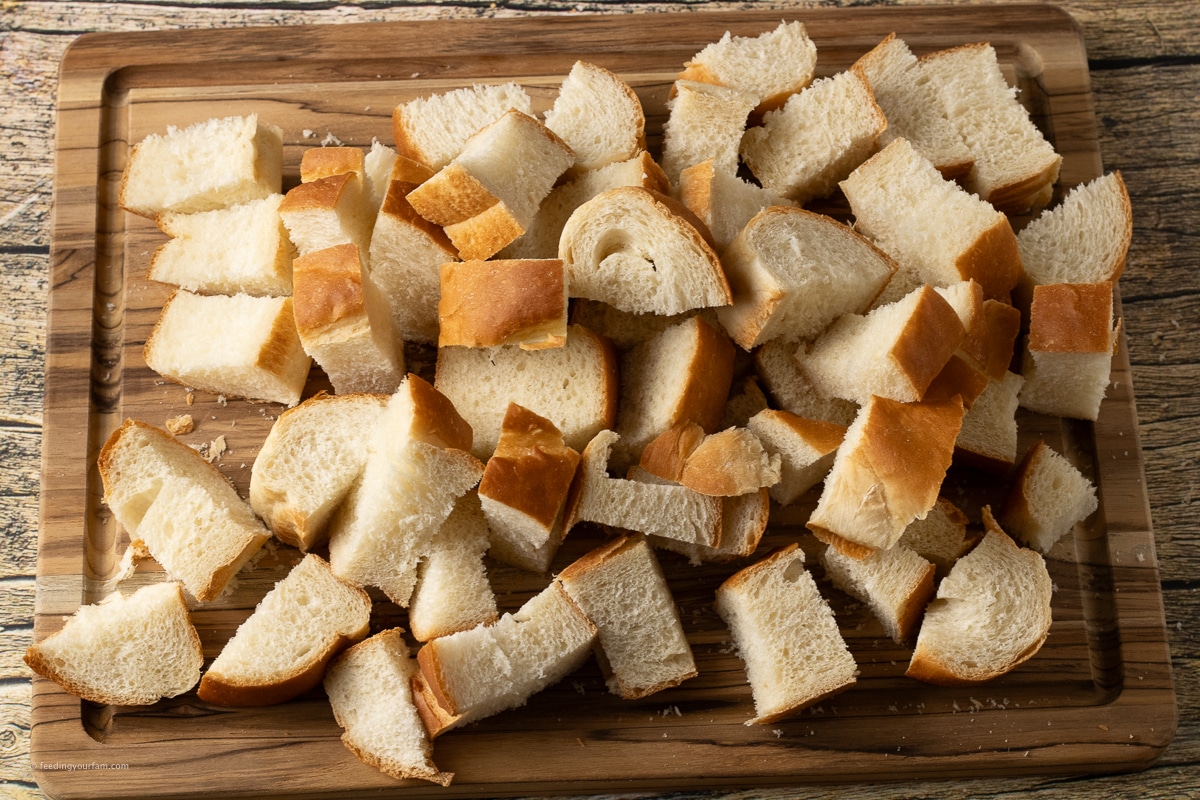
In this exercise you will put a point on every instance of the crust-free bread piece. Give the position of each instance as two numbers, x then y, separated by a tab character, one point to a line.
211	164
377	166
243	249
574	386
625	329
991	614
746	399
344	321
417	466
1048	496
179	507
281	650
309	461
794	272
125	650
407	252
806	448
370	689
705	122
599	117
792	390
895	584
452	592
941	537
640	641
895	351
327	212
488	195
938	233
804	148
525	485
743	523
988	438
239	346
723	201
473	674
772	66
1068	353
501	301
913	110
433	130
1015	167
640	251
887	473
730	463
786	635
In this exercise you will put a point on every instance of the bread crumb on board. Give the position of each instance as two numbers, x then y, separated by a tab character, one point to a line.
180	425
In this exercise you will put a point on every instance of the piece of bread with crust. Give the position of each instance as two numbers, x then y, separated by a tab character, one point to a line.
640	642
990	328
452	592
525	486
938	233
377	167
887	472
344	321
1014	166
179	507
895	584
659	509
988	439
574	386
474	674
792	390
407	252
488	195
786	634
243	249
913	110
794	272
643	252
941	537
211	164
746	399
282	648
723	201
418	465
743	523
729	463
599	116
771	66
370	690
433	130
326	161
625	329
895	351
329	211
238	346
1067	356
502	301
991	614
309	461
705	122
125	650
816	139
806	449
1047	497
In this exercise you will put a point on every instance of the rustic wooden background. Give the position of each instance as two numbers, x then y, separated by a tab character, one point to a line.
1145	61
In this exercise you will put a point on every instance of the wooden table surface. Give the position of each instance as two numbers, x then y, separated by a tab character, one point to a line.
1145	62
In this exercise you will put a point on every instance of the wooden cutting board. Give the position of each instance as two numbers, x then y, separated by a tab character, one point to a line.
1098	697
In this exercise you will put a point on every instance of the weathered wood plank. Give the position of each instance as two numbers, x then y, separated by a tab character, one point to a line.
23	288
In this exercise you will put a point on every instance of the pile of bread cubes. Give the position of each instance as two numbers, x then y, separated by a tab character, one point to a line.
588	304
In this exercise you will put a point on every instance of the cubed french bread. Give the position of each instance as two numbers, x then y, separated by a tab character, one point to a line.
125	650
941	537
1047	497
502	302
792	390
705	122
640	642
238	346
328	211
988	438
729	463
743	523
179	507
433	130
326	161
895	584
806	449
598	115
281	650
723	201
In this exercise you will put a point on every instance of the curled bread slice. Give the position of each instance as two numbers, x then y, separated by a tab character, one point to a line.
599	117
502	301
895	584
1048	496
641	646
125	650
433	130
642	252
786	634
730	463
991	614
370	691
281	650
705	122
805	447
179	507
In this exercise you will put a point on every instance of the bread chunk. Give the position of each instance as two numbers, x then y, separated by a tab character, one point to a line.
179	507
323	162
642	252
641	646
255	351
309	461
212	164
792	390
743	523
786	635
599	116
281	650
705	122
243	249
378	164
723	201
501	301
370	690
895	584
806	448
433	130
941	537
1048	496
328	212
730	463
988	438
125	650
